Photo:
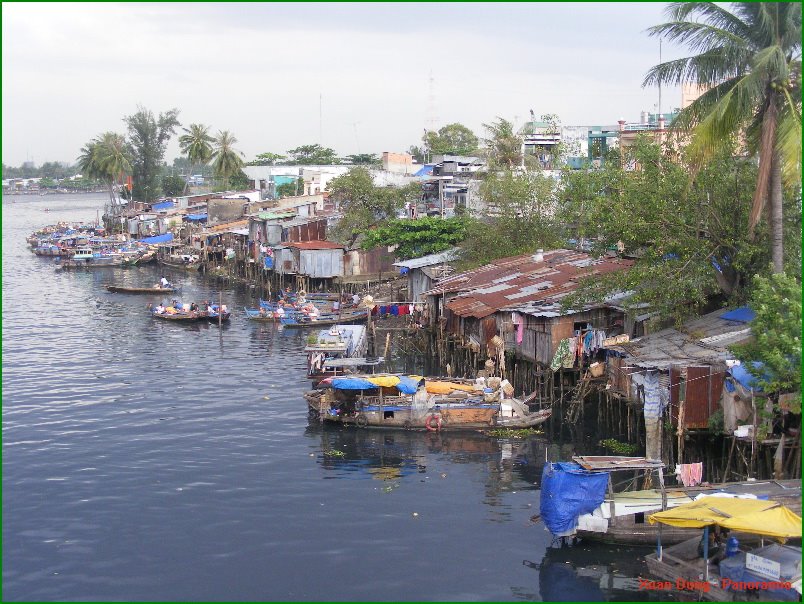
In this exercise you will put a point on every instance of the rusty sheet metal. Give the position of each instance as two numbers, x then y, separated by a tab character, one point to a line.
314	245
522	283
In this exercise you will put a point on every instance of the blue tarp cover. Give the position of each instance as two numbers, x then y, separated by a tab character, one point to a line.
352	383
742	314
567	492
745	379
424	171
196	216
162	206
158	238
407	385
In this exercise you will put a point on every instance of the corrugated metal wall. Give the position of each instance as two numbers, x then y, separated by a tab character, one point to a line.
321	264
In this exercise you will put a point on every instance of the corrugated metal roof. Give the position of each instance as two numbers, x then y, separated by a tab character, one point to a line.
429	260
315	245
227	226
522	283
704	339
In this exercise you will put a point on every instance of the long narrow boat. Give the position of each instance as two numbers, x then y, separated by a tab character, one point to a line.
297	319
417	403
119	289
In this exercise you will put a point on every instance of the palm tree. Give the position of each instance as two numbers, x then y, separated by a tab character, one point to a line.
107	158
503	146
749	60
227	160
196	144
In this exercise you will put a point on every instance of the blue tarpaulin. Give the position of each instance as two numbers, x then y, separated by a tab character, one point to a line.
742	315
268	261
569	491
407	385
745	379
426	170
352	383
196	216
158	239
164	205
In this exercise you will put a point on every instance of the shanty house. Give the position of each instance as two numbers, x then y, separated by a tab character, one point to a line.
422	273
518	300
314	259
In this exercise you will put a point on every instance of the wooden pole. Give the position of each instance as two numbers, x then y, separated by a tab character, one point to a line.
220	308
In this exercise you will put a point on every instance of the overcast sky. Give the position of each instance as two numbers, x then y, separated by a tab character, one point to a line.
354	77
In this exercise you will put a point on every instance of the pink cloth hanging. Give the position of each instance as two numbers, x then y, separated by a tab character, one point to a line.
691	473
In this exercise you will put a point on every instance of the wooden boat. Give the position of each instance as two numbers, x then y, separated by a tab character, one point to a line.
87	258
621	516
191	316
298	319
119	289
416	403
329	345
770	573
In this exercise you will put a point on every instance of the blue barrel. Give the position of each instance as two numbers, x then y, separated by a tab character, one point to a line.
732	547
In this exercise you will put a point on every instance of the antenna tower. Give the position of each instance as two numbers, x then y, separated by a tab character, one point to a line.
432	118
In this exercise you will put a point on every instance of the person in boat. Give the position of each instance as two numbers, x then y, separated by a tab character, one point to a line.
262	311
165	284
355	300
280	311
210	309
193	307
716	550
159	310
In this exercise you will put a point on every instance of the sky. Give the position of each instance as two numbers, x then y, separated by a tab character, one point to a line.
356	77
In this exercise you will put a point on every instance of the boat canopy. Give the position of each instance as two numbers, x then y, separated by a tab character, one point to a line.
406	384
447	387
757	516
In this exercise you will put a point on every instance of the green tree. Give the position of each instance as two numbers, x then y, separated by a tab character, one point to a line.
196	144
148	137
368	159
503	147
227	161
418	153
776	329
173	185
289	189
106	158
47	183
266	159
416	238
452	139
749	60
686	231
239	181
312	155
365	205
519	217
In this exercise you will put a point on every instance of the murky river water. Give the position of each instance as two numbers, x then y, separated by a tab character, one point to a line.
144	460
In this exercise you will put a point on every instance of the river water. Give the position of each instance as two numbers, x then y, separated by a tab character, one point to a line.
144	460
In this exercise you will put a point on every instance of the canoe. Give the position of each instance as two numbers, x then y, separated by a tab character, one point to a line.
302	320
118	289
189	317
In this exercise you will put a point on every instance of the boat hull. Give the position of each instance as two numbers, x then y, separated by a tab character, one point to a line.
140	290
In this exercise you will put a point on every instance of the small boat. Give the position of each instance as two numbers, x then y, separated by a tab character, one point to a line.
329	345
183	313
88	258
417	403
605	516
299	319
733	572
119	289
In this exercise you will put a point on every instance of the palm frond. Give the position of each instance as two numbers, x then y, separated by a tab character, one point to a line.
714	14
788	142
705	69
700	37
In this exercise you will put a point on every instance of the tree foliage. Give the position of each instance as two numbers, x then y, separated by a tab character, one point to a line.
106	158
416	238
148	137
365	205
749	63
503	147
173	185
363	159
452	139
266	159
776	329
519	217
312	155
226	160
686	231
289	189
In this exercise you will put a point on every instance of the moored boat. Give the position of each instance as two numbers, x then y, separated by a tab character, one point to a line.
300	319
338	342
706	567
119	289
87	258
606	516
417	403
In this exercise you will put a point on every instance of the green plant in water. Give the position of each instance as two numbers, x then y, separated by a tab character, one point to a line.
334	453
616	446
513	433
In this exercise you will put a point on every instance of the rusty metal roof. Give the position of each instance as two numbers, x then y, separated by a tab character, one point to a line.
523	284
314	245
